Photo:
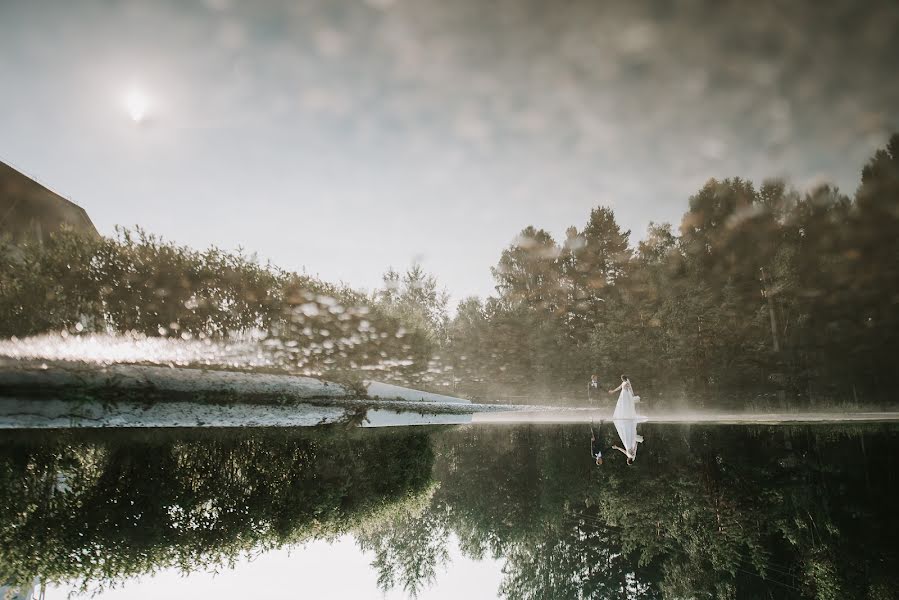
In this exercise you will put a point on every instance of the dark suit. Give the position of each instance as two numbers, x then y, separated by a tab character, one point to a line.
595	448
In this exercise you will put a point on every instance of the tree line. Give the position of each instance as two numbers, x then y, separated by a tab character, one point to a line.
137	284
762	293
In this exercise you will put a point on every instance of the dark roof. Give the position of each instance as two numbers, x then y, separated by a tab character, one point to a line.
28	210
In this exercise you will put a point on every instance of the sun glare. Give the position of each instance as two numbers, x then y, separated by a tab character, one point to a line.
137	103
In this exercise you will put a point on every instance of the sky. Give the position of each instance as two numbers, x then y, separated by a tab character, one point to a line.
318	569
342	137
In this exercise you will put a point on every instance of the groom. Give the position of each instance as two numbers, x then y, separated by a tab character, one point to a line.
595	447
593	387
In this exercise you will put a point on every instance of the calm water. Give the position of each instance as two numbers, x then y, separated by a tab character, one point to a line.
505	511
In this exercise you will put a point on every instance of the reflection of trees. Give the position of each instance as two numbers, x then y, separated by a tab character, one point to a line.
579	558
525	494
98	508
408	548
723	512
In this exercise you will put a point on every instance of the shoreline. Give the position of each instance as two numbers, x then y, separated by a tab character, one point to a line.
61	394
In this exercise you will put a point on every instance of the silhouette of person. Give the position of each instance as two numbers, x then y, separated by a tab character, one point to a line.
596	447
592	387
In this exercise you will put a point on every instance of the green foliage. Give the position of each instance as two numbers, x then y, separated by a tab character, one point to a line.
100	507
415	299
139	284
765	295
706	512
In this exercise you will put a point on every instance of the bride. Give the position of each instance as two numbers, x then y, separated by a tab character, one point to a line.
625	408
625	418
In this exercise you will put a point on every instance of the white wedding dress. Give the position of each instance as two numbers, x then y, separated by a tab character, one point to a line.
626	408
626	418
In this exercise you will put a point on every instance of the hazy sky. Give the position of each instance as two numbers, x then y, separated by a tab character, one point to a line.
345	136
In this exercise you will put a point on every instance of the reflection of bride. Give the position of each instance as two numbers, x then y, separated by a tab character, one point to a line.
625	418
627	431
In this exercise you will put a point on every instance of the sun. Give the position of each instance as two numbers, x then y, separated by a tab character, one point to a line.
137	103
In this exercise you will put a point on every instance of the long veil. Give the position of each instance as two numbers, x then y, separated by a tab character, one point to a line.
626	405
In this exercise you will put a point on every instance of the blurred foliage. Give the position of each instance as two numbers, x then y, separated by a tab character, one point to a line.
712	511
97	507
416	299
139	284
764	294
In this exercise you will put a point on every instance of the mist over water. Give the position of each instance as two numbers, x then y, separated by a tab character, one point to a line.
255	352
562	415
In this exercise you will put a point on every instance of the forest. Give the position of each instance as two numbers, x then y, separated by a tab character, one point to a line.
710	511
714	511
762	296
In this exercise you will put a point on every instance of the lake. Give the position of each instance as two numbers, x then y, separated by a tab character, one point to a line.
517	511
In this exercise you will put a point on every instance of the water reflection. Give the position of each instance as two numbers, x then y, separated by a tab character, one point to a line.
707	511
100	508
626	429
627	432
